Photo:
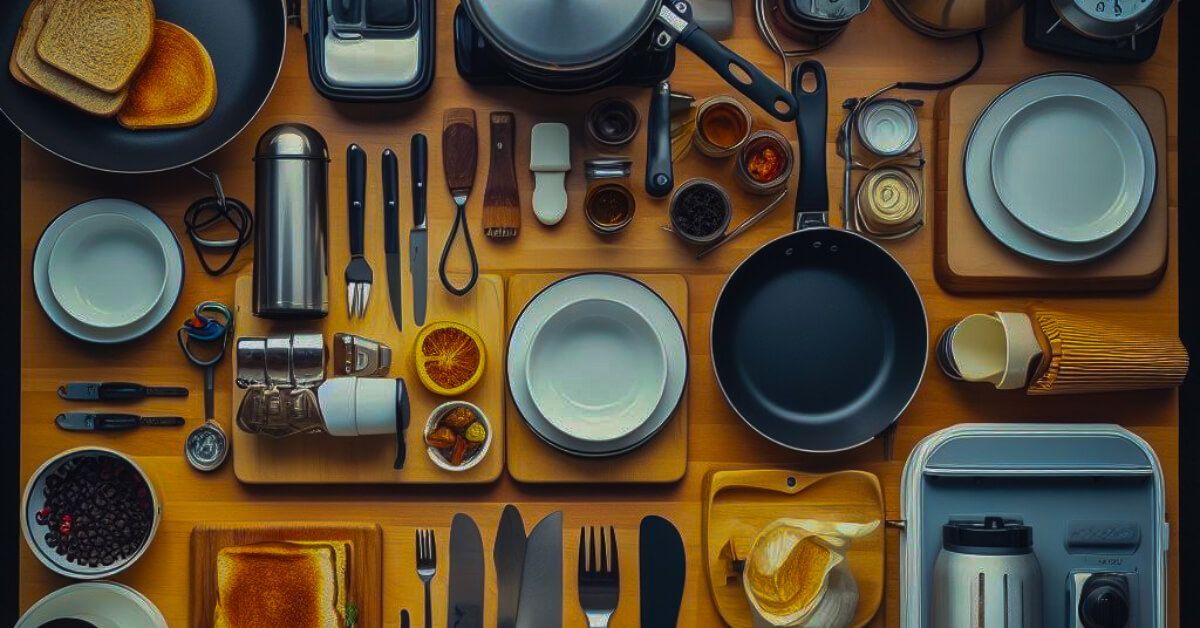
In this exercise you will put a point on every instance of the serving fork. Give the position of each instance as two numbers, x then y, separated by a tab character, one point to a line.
358	271
599	581
427	567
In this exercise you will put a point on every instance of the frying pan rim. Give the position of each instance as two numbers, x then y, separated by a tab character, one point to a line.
174	166
713	323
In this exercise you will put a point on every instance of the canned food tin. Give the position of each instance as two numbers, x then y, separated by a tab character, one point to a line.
887	127
888	201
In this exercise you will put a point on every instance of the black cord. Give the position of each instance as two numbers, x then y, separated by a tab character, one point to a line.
210	212
966	76
460	221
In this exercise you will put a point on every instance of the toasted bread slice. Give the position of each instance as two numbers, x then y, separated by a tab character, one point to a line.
177	85
277	584
100	42
28	68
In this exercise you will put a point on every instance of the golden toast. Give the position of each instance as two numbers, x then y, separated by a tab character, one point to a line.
99	42
280	584
177	85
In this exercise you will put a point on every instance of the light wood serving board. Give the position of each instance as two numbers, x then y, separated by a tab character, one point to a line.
968	259
324	459
739	504
662	459
364	574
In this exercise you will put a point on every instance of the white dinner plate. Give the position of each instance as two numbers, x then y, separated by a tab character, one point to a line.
107	270
1069	168
105	604
596	369
108	335
581	287
977	168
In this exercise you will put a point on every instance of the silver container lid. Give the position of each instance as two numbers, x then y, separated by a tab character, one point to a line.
291	140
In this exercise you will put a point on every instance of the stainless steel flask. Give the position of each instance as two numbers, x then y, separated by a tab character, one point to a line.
987	575
291	256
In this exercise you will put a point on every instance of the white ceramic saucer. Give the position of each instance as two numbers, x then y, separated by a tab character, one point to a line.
105	604
596	369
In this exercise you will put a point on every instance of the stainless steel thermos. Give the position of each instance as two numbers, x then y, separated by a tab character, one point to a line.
987	575
291	256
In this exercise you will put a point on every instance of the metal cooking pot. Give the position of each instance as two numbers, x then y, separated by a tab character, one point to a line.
951	18
579	45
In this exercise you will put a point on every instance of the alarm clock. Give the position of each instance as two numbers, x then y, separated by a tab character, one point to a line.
1099	30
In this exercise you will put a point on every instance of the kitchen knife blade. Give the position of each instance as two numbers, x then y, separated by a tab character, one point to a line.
418	237
391	233
110	422
465	608
662	570
509	556
116	391
541	581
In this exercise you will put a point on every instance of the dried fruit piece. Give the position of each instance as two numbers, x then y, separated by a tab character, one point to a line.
459	452
475	433
458	418
441	438
449	358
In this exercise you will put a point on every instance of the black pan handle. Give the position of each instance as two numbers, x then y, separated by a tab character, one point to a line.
660	177
748	79
812	199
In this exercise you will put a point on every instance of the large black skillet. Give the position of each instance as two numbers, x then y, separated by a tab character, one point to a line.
819	338
245	39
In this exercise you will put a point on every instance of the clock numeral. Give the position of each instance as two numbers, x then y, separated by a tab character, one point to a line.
1099	7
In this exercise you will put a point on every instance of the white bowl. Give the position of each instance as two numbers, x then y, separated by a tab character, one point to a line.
596	369
32	501
105	604
107	270
436	455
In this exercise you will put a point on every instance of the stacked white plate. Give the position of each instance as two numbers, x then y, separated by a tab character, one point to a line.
101	604
1061	168
107	271
597	364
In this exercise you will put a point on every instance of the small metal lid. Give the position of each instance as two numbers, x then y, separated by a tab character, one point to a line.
207	446
291	140
887	127
992	535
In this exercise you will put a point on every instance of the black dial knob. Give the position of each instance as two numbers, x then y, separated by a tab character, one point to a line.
1104	601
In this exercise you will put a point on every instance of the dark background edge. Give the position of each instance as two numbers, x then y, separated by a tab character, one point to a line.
1189	304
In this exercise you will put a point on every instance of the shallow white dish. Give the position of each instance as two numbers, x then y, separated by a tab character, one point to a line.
431	423
596	369
587	286
1069	168
107	270
981	191
90	333
105	604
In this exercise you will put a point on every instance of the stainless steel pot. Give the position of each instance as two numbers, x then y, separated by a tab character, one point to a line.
951	18
987	575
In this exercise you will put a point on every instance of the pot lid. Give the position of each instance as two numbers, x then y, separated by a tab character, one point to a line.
562	33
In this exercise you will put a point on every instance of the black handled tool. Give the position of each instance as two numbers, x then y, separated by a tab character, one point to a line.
116	391
112	422
391	233
660	177
418	236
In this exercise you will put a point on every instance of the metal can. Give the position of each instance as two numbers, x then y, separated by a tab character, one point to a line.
889	201
887	127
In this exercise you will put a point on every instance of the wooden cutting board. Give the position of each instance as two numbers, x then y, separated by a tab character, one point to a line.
968	259
739	504
662	459
324	459
364	576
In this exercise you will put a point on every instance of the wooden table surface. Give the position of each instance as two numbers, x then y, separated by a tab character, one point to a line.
876	50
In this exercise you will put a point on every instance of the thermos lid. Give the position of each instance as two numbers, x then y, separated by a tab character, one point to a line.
293	141
993	535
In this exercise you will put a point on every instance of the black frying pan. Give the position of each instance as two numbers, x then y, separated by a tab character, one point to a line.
819	338
245	39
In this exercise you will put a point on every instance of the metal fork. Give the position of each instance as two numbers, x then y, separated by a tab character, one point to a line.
599	581
427	567
358	271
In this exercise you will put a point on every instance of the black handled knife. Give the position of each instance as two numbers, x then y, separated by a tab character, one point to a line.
391	233
111	422
116	391
418	237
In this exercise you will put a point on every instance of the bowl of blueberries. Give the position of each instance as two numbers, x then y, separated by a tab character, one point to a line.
89	513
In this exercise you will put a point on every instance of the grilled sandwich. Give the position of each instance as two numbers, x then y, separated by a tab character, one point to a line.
176	87
267	585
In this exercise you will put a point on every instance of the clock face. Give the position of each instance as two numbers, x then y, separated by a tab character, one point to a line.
1114	10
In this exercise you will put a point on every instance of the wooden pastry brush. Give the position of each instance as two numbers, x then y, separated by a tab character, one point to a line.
501	202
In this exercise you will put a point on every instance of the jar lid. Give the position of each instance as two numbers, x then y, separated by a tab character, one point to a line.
292	141
992	535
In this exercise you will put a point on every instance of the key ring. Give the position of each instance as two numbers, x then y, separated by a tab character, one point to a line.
211	323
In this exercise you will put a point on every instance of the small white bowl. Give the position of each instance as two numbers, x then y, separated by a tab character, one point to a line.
31	503
436	455
105	604
107	270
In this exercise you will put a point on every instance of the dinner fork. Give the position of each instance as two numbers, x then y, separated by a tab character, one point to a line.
599	581
427	567
358	271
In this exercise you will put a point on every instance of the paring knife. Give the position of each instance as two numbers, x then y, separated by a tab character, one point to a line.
509	556
111	422
662	572
418	237
542	578
465	608
391	233
116	391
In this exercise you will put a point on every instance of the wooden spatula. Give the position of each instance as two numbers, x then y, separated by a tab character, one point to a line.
501	201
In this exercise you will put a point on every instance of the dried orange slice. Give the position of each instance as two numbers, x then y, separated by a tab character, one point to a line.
449	358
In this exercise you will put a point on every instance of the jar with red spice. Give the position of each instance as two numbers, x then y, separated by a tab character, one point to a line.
765	163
